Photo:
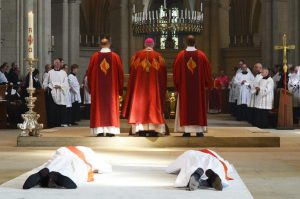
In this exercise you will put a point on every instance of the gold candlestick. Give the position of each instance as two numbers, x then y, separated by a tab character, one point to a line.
172	100
30	126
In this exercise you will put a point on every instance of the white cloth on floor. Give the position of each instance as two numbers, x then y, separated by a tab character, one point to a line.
105	129
69	164
265	97
57	78
254	84
187	163
293	87
74	88
159	128
187	128
243	89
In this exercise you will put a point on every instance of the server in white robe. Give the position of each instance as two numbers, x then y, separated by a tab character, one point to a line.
264	99
68	168
243	80
293	87
67	113
56	83
75	94
253	85
196	169
232	94
86	97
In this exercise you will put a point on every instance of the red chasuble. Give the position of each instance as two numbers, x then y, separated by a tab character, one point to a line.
146	90
192	73
105	81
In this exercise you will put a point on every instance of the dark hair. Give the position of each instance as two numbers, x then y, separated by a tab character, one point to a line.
104	40
190	40
35	72
74	66
60	59
64	66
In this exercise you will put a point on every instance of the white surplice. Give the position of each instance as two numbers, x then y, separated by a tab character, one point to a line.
293	87
254	84
69	164
265	97
74	88
243	89
187	163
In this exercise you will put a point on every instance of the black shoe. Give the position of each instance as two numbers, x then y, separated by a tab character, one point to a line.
200	134
214	180
186	135
142	134
74	123
36	178
110	135
61	180
100	135
194	182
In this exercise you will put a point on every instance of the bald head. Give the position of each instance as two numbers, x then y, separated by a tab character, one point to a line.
190	40
105	42
258	68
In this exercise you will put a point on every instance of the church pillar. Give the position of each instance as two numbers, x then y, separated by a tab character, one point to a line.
119	30
294	31
266	17
215	36
224	7
60	25
0	34
74	31
44	34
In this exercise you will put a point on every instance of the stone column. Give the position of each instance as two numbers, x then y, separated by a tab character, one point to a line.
119	18
267	24
44	34
215	36
0	34
74	31
224	7
60	25
294	31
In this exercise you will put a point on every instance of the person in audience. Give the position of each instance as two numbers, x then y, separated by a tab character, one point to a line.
264	99
13	74
3	79
48	67
215	95
201	169
68	168
35	80
243	80
223	79
293	87
75	94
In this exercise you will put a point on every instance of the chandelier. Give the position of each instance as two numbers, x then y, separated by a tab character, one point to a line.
165	21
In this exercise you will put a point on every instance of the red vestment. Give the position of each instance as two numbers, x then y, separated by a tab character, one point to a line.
105	81
192	73
146	90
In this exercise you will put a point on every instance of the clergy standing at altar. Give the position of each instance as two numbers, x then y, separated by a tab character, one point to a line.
192	74
105	75
145	97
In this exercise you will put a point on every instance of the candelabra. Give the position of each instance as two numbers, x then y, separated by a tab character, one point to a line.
30	126
163	21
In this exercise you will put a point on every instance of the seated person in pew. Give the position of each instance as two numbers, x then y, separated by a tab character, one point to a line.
68	167
200	169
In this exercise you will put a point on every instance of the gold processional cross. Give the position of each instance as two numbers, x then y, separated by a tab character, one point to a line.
285	47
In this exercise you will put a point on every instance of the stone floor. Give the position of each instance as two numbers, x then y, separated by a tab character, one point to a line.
267	172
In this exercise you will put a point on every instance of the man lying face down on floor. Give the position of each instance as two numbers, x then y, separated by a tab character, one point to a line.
68	167
200	169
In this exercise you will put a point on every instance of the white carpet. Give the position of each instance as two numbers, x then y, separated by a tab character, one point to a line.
126	182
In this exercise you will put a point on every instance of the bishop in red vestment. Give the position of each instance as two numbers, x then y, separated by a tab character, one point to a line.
215	96
146	90
105	82
191	74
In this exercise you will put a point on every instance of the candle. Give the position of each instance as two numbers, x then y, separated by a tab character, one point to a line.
86	39
93	39
30	36
52	40
165	4
133	8
201	6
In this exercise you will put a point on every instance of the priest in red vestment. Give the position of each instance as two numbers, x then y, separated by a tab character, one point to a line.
192	74
105	81
215	96
146	90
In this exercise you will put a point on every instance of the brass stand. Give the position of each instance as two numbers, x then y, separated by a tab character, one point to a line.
30	126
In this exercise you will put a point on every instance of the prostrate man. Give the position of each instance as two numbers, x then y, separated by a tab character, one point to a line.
105	81
75	94
69	167
253	85
191	73
204	168
243	80
293	86
57	85
264	99
146	90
